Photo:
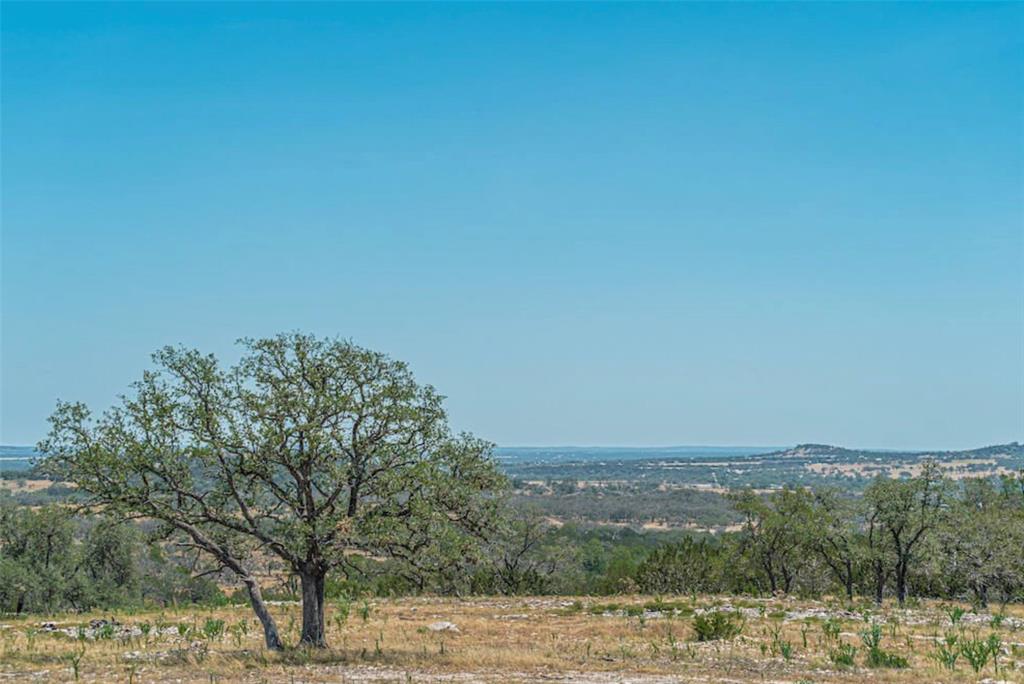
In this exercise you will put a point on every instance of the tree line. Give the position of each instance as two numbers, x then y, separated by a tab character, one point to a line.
924	536
52	560
794	541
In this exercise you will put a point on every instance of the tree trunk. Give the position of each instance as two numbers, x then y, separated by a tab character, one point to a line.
901	582
879	583
259	606
849	580
770	571
313	632
981	591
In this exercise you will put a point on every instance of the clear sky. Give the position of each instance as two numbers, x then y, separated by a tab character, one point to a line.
585	224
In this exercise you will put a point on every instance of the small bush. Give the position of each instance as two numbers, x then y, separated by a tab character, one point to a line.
668	607
977	651
213	629
717	624
602	608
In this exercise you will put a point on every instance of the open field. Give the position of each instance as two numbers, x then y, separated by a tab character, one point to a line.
19	486
703	469
616	639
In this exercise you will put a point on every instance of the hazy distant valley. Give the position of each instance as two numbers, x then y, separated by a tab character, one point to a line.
652	489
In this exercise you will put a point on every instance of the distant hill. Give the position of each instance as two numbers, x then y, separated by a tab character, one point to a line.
16	458
17	451
1011	450
554	454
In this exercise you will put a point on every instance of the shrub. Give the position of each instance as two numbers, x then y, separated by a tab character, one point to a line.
717	624
977	651
213	628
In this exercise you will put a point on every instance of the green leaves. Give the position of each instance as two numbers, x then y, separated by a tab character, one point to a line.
307	447
717	624
310	449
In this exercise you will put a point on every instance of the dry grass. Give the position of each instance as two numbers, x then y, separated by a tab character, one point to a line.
25	486
629	639
954	470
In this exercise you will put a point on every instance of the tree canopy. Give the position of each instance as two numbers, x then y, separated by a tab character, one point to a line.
311	450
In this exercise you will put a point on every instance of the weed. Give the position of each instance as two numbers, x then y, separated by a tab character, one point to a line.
213	629
75	660
342	609
876	656
947	651
955	614
237	634
673	645
975	651
843	655
831	629
995	647
779	646
200	652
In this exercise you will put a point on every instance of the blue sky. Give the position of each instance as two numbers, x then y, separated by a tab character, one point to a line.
585	224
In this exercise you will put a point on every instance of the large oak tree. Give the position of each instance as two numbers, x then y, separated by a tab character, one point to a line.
308	449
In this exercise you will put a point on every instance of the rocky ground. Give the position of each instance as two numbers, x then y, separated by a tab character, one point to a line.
600	640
